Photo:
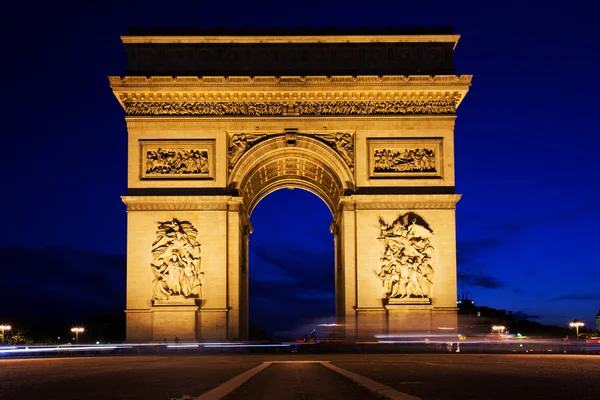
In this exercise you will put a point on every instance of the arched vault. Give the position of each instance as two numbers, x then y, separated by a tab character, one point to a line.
307	163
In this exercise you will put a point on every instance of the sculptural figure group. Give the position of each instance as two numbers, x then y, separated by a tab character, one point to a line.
176	161
298	108
406	262
176	261
404	160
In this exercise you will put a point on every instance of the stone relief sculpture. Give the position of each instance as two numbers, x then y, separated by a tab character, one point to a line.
404	160
176	162
296	108
239	143
406	269
342	143
176	261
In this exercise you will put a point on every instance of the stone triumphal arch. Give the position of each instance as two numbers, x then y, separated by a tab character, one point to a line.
215	123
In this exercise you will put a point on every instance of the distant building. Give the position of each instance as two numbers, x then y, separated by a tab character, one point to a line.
473	320
598	322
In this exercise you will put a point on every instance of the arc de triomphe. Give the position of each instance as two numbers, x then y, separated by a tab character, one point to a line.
216	123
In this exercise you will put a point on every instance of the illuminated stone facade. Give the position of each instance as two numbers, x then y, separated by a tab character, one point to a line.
209	139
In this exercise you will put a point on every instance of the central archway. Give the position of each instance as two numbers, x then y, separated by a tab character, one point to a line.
291	266
291	160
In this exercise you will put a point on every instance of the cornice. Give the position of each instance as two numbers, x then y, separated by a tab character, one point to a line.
180	203
293	81
399	202
218	39
268	91
168	119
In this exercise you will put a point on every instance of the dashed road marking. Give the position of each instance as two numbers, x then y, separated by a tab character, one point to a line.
375	387
378	388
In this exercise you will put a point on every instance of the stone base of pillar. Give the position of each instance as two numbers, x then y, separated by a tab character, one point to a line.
372	324
171	321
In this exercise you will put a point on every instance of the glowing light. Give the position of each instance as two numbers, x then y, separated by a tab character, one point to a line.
498	328
55	349
576	324
4	328
77	330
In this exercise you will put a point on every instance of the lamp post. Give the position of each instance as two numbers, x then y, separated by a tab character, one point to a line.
4	328
498	328
77	331
576	324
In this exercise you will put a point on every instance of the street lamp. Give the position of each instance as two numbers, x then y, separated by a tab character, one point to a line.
498	328
4	328
77	331
576	324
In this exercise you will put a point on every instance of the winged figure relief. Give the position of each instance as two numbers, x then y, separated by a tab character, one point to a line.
406	263
176	257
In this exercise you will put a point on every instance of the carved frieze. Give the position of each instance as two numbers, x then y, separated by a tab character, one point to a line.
168	159
176	266
406	267
294	108
405	158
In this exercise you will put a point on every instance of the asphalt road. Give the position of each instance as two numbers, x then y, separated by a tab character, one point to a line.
428	376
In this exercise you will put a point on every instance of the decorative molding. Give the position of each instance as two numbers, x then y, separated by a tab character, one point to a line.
407	206
306	147
405	158
117	82
291	167
347	204
225	39
412	107
177	159
341	142
168	119
176	203
399	202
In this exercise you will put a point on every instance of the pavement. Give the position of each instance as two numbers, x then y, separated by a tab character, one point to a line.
304	376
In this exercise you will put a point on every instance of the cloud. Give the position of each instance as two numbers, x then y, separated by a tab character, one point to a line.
575	212
488	282
468	250
579	297
476	276
506	228
522	315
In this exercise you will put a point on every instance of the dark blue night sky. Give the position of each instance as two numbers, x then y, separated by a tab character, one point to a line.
527	135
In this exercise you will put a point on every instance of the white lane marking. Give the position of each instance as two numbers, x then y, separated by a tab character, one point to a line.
232	384
298	362
370	384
